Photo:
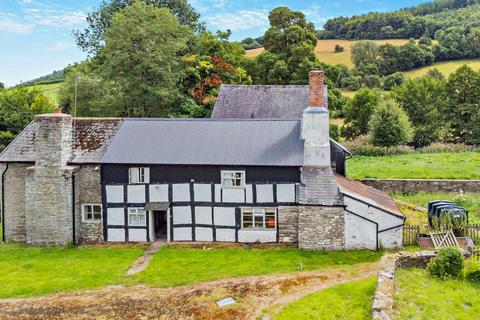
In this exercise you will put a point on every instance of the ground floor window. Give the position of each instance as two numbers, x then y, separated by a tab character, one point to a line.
91	212
259	218
137	217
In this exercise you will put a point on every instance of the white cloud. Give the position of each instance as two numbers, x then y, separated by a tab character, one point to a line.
11	26
219	3
238	21
56	19
315	14
61	46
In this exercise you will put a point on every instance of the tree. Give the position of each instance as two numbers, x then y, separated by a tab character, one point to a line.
389	125
463	108
364	53
2	86
339	48
92	38
141	57
422	99
393	80
359	111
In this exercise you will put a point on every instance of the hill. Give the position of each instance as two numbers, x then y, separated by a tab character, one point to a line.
54	77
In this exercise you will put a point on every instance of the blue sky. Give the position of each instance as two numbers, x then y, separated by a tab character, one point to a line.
36	35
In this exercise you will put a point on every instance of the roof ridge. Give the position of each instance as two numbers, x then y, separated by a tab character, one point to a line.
214	119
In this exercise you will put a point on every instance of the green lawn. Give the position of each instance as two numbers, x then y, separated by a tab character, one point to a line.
180	266
462	165
420	297
30	271
445	67
350	301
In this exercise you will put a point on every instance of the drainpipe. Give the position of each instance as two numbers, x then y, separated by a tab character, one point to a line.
73	204
3	202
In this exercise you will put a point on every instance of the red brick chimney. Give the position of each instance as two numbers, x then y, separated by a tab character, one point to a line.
316	82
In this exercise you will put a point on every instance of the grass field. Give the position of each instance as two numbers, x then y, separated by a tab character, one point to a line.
420	297
30	271
464	165
446	68
50	90
181	266
352	301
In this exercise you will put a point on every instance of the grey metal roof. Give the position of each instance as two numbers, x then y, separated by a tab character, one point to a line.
261	101
92	137
207	142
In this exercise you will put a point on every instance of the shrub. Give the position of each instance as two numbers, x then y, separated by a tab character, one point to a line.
361	146
390	126
447	264
439	147
472	270
335	132
393	80
372	81
358	112
339	48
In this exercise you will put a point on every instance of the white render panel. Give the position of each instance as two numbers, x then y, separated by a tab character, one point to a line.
248	193
261	236
233	195
115	194
158	193
151	226
137	235
224	216
202	192
359	233
203	215
218	193
203	234
116	216
116	235
181	192
264	193
391	239
225	235
136	193
182	215
286	193
182	234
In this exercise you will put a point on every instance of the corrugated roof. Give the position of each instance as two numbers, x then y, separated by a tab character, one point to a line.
92	137
207	142
368	194
261	101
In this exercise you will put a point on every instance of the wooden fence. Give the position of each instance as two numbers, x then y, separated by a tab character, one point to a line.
473	231
411	233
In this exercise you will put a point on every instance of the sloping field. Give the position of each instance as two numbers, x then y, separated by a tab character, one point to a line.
50	90
446	68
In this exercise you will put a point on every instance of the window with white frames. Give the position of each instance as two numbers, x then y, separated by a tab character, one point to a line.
91	212
259	218
233	179
139	175
137	217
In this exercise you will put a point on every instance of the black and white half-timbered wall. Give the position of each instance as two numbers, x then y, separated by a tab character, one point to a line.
245	179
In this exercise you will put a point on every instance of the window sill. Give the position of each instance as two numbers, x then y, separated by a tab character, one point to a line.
92	221
257	229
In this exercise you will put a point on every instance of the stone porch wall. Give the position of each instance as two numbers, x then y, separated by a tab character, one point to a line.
321	227
288	224
425	185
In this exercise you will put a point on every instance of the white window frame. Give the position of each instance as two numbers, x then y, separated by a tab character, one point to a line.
259	212
137	212
142	175
93	215
233	173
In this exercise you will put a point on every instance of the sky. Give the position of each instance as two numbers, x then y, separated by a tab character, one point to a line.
36	35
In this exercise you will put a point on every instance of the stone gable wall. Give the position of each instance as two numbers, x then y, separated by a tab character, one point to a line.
321	228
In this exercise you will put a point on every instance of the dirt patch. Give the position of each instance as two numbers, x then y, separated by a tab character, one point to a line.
252	294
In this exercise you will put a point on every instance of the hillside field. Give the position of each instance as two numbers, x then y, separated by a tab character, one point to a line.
445	67
50	90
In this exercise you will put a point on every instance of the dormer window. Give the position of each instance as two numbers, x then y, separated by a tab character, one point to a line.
138	175
233	179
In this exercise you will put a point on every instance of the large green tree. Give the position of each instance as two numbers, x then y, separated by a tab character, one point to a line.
142	57
359	111
92	38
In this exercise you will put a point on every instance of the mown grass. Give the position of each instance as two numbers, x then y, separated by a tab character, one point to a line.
462	165
180	266
421	297
351	301
32	271
50	90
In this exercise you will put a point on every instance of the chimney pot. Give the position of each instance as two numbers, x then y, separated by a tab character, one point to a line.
58	110
316	82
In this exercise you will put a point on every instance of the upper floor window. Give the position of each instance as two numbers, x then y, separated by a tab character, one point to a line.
233	179
137	217
91	212
259	218
139	175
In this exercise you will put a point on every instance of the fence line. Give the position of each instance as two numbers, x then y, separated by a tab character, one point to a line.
411	233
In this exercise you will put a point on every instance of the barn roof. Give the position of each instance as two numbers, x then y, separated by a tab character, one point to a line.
92	137
262	142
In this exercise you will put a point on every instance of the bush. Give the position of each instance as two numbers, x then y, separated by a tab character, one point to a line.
372	81
393	80
358	113
439	147
335	132
448	264
361	146
472	270
390	126
339	48
353	83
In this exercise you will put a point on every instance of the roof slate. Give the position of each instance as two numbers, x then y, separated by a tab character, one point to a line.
259	142
92	137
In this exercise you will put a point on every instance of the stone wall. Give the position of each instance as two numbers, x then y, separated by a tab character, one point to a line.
288	224
419	185
15	229
321	228
87	191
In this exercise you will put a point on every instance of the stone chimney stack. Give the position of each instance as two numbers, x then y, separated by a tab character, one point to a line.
49	187
315	124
